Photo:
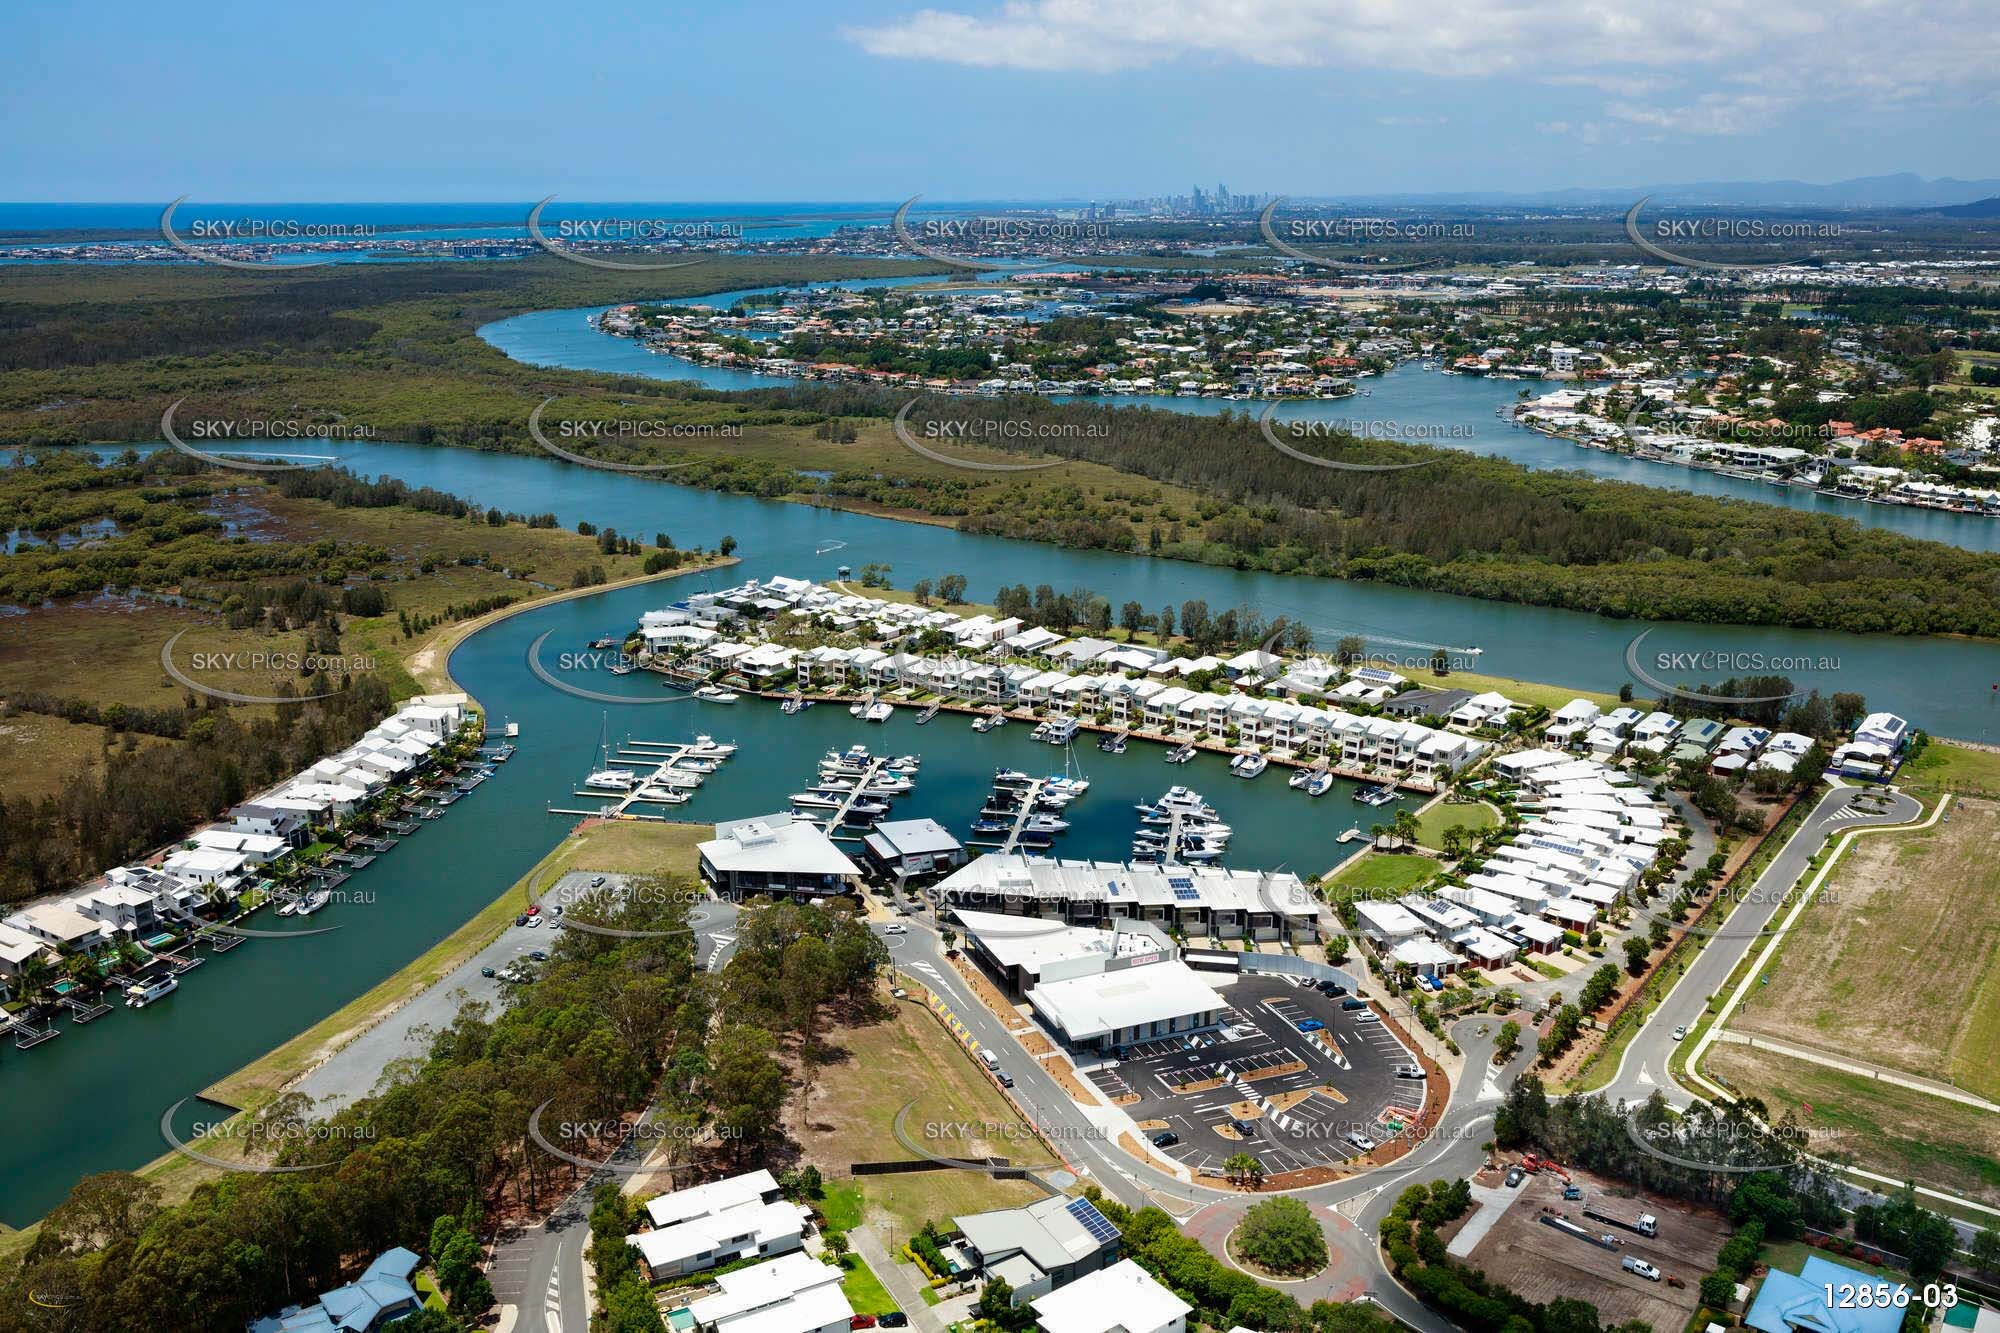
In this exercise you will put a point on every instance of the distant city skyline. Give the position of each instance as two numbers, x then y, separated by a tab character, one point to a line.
979	99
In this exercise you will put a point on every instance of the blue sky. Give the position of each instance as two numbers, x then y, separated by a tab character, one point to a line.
880	99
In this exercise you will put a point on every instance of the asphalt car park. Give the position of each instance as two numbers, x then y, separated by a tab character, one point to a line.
1261	1031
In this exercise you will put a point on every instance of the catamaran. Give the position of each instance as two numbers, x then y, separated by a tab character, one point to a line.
878	712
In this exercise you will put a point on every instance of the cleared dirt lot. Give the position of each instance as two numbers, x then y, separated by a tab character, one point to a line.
1543	1264
1900	965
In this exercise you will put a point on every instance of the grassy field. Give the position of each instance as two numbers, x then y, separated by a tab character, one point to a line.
863	1289
1381	874
1434	821
1946	767
1898	1132
908	1060
1897	959
106	650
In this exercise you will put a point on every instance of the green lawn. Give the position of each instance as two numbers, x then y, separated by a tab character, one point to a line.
840	1205
1381	874
865	1291
1434	821
1943	767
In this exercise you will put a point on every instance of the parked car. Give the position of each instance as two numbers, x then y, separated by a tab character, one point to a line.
893	1319
1641	1267
1680	1032
486	972
1515	1175
1332	988
521	920
1360	1140
1311	1025
538	955
1409	1071
597	882
534	923
861	1321
895	928
1353	1002
534	909
1166	1138
1366	1016
1572	1191
1246	1128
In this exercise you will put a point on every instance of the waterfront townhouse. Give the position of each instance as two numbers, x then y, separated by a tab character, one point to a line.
1041	688
1191	715
1161	710
823	668
1031	642
767	663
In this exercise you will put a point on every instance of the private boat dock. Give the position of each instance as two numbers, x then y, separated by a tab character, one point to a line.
662	774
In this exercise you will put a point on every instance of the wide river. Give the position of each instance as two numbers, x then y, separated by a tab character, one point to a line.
92	1099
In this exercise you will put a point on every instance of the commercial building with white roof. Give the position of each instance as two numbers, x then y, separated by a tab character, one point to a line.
1195	900
775	854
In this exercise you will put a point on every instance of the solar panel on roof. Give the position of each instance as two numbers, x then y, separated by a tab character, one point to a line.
1180	882
1187	894
1091	1220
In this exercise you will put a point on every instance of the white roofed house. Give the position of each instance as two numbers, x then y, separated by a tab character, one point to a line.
1042	1247
17	946
61	926
1883	729
793	1294
1482	710
1123	1298
775	854
717	1223
125	909
1572	720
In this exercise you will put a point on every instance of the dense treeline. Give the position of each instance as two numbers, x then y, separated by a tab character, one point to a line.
444	1145
144	796
1489	528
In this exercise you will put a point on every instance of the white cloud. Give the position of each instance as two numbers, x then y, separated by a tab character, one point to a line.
1780	53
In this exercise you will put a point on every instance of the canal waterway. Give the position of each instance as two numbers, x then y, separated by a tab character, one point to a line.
92	1099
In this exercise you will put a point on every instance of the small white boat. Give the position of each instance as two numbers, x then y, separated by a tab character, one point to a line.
878	712
139	995
982	725
612	779
1320	783
1299	778
287	907
1248	765
710	748
715	694
314	901
816	800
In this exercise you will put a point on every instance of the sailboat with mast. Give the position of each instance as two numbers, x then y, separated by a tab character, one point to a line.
609	778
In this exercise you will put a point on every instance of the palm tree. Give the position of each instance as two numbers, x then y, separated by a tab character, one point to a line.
37	972
213	896
1238	1167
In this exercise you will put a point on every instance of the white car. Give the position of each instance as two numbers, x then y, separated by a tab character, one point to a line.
895	928
1680	1032
533	922
1360	1140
